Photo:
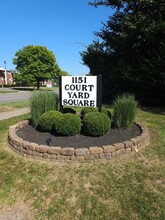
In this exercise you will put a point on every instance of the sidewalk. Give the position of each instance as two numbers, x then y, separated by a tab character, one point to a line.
14	113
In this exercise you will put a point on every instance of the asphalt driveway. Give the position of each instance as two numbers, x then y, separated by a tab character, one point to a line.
14	97
8	95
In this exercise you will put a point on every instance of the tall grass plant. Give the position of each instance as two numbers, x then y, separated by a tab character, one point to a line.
125	107
40	103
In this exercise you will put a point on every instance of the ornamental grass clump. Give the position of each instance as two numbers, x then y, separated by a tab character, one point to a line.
41	102
96	124
68	125
125	107
48	120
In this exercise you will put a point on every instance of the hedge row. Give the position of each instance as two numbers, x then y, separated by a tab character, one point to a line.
93	124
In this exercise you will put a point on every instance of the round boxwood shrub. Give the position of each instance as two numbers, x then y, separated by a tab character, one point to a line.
92	109
48	119
96	124
86	110
68	125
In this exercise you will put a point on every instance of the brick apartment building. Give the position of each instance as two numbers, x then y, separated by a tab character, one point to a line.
6	77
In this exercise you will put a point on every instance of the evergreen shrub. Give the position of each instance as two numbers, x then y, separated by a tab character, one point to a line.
125	108
68	125
86	110
41	102
48	120
92	109
96	124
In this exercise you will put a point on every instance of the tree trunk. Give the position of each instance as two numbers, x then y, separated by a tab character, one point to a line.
38	84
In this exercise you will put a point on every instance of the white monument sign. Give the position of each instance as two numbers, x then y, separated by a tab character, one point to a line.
79	91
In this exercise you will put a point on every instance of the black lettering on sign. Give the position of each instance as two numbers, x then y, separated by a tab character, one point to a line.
86	95
70	94
72	87
78	95
84	87
90	87
92	103
77	102
79	79
66	87
86	103
79	87
65	102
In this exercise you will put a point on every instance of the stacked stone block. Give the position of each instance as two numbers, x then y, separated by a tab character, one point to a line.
57	153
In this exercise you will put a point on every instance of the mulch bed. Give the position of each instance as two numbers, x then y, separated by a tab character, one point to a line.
30	134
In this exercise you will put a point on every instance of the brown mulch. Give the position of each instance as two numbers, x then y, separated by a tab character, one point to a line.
30	134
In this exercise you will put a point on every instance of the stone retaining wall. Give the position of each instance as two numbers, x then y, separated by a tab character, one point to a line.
90	154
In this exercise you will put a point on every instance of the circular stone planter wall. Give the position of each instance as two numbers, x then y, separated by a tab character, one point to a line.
90	154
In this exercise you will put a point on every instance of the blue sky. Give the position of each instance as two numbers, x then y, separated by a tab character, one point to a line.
55	24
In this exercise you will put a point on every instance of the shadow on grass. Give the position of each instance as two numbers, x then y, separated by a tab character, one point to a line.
23	88
154	110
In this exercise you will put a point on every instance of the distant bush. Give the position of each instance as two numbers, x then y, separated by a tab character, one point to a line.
40	103
48	120
86	110
68	125
96	124
125	108
69	110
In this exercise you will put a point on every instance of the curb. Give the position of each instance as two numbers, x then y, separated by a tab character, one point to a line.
59	154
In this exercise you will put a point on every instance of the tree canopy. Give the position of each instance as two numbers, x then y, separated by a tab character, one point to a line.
130	55
36	64
61	73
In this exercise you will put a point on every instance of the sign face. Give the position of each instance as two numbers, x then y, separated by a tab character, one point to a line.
79	91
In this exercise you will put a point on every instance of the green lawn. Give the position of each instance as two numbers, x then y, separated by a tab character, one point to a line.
131	187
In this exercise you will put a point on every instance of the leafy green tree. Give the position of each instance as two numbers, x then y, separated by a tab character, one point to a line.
21	80
61	73
36	64
132	51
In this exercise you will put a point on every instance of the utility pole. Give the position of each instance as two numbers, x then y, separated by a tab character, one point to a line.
5	73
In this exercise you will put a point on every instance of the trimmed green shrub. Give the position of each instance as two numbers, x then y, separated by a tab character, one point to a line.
48	119
68	125
92	109
86	110
125	108
96	124
69	110
41	102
